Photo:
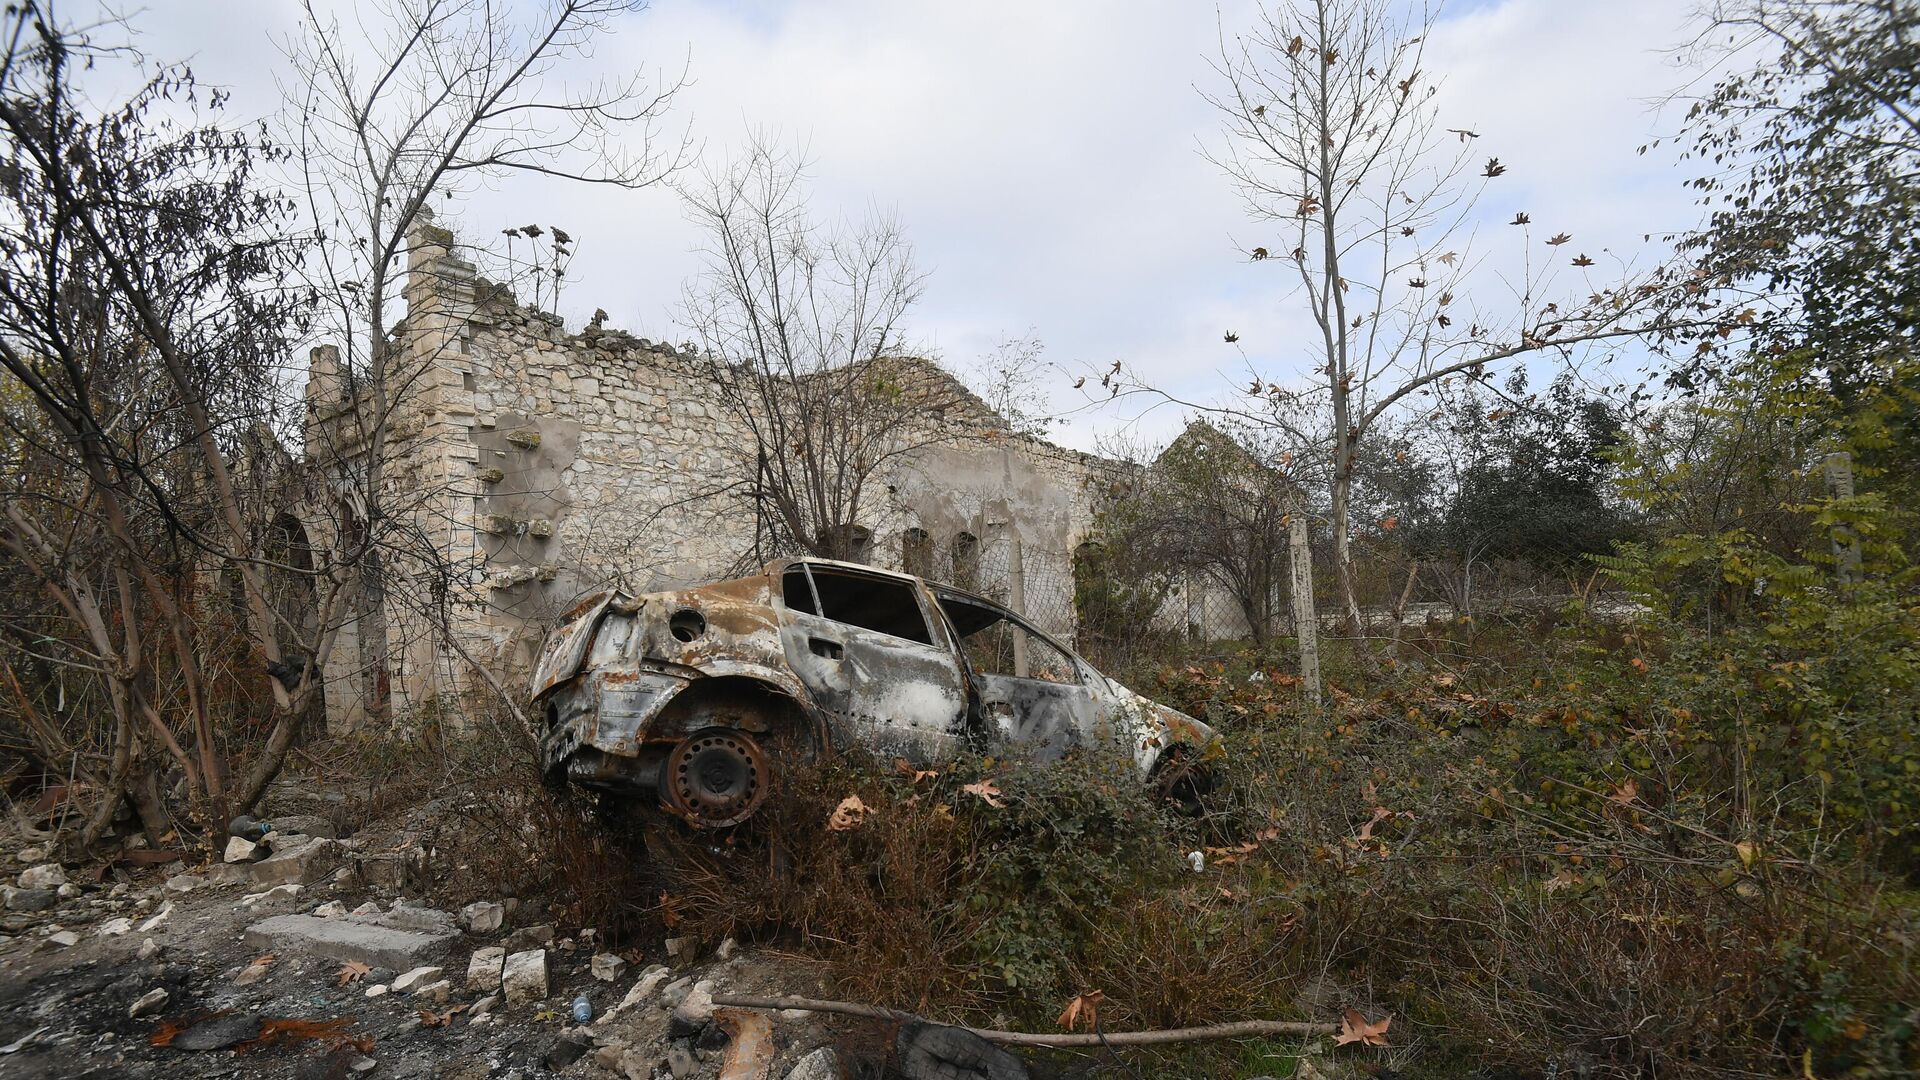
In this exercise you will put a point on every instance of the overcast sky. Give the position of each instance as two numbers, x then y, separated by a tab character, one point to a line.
1043	156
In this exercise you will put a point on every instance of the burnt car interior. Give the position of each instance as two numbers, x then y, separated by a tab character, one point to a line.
995	644
873	603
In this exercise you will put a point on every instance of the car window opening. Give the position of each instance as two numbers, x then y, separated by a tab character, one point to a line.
997	645
876	604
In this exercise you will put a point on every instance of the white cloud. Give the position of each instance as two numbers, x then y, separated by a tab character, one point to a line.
1044	157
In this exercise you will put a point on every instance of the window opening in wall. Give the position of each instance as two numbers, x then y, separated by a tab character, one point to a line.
467	383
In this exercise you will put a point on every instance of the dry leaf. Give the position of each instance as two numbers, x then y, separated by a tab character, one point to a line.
1355	1029
1625	794
429	1018
986	791
1086	1006
849	814
905	768
1380	813
352	971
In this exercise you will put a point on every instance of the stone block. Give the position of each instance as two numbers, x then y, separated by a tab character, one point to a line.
304	863
417	977
523	978
484	968
483	917
346	939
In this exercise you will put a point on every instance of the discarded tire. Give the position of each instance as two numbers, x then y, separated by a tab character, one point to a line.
936	1052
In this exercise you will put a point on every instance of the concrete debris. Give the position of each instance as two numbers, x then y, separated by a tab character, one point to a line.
483	917
681	1062
157	919
529	936
306	825
484	969
148	1003
378	990
419	917
270	896
303	863
419	976
229	874
44	876
396	870
362	1064
682	949
252	973
524	976
332	909
185	883
822	1064
347	939
696	1008
32	855
726	949
68	891
607	967
367	908
149	949
438	991
31	899
66	939
483	1006
240	850
115	927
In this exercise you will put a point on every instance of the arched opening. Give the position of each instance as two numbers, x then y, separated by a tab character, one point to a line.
966	561
916	552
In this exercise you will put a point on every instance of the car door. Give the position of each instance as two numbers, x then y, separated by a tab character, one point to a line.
866	649
1032	693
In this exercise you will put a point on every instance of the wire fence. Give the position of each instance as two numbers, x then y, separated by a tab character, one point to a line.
1121	617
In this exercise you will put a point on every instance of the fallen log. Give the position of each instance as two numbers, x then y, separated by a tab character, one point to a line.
1238	1030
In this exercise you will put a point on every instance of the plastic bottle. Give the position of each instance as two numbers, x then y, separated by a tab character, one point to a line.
582	1009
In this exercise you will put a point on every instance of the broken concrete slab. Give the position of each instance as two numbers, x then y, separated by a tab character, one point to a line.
347	939
240	849
607	967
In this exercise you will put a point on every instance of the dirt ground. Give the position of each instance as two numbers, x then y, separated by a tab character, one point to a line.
65	1002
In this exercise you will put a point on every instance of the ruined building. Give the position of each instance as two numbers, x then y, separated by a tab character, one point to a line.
541	465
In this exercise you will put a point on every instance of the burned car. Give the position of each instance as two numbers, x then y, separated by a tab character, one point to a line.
695	699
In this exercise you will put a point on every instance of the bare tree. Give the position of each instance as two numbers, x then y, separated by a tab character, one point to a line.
442	94
802	330
1334	142
142	314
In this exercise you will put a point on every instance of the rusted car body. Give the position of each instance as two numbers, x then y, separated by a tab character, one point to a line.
695	699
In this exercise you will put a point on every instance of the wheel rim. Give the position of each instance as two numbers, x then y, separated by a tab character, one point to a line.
717	777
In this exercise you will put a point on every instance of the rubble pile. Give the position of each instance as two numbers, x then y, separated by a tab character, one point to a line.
300	949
